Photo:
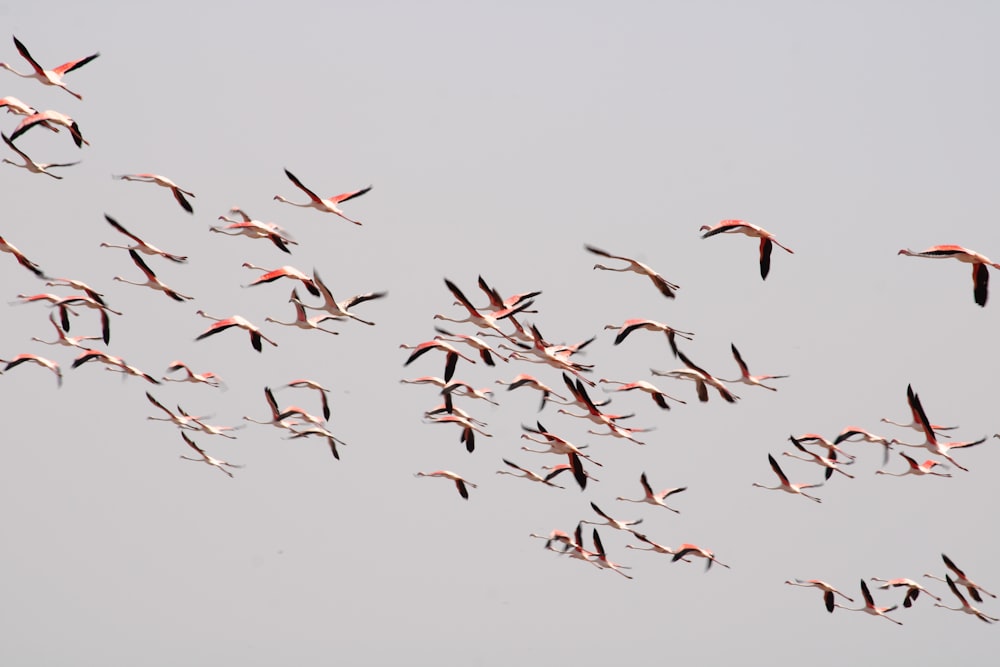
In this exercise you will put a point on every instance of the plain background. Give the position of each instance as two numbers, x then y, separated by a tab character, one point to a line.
500	138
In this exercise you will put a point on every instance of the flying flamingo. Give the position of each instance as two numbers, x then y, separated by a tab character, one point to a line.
324	205
331	440
694	550
179	419
913	589
555	444
925	468
858	434
151	280
303	383
21	259
469	429
256	229
659	397
665	286
460	482
497	302
49	77
767	239
162	181
700	377
46	119
278	418
31	165
486	353
795	489
112	362
966	607
530	381
205	458
602	558
746	378
270	275
35	359
303	321
452	355
817	439
930	442
980	273
488	320
575	466
235	321
962	580
14	105
79	285
341	309
526	474
828	591
62	338
870	607
654	498
653	546
140	245
828	462
211	379
628	326
917	424
617	524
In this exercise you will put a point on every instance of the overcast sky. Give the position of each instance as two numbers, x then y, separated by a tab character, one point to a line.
499	139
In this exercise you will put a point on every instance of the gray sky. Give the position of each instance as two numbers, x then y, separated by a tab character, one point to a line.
500	139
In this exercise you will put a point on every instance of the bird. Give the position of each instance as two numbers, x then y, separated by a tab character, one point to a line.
255	229
870	607
14	105
211	379
460	483
469	429
21	259
659	397
162	181
35	359
700	377
828	462
47	118
913	589
140	245
767	239
302	320
666	287
925	468
980	272
555	444
317	430
221	324
966	607
917	424
270	275
858	434
795	489
325	205
205	458
341	309
931	443
62	338
817	439
303	383
653	546
487	320
685	550
180	419
828	591
628	326
527	474
486	353
530	381
575	466
962	580
497	302
602	559
79	285
617	524
31	165
746	378
112	362
654	498
49	77
151	280
452	355
279	418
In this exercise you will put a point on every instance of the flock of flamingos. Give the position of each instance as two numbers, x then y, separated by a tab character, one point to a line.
500	333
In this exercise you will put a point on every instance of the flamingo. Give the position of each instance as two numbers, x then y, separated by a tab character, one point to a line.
966	607
468	390
530	381
858	434
210	429
162	181
572	546
653	546
628	326
795	489
980	272
255	229
46	119
870	607
303	321
235	321
324	205
49	77
211	379
828	591
700	377
962	580
79	285
151	280
21	259
140	245
14	105
488	320
331	440
341	309
555	444
205	458
180	419
659	397
270	275
469	429
767	239
925	468
617	524
817	439
575	466
830	462
497	302
602	558
486	352
527	474
460	482
694	550
746	378
917	424
279	418
665	286
35	359
452	355
913	589
930	442
656	499
288	411
31	165
112	361
94	304
62	338
303	383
